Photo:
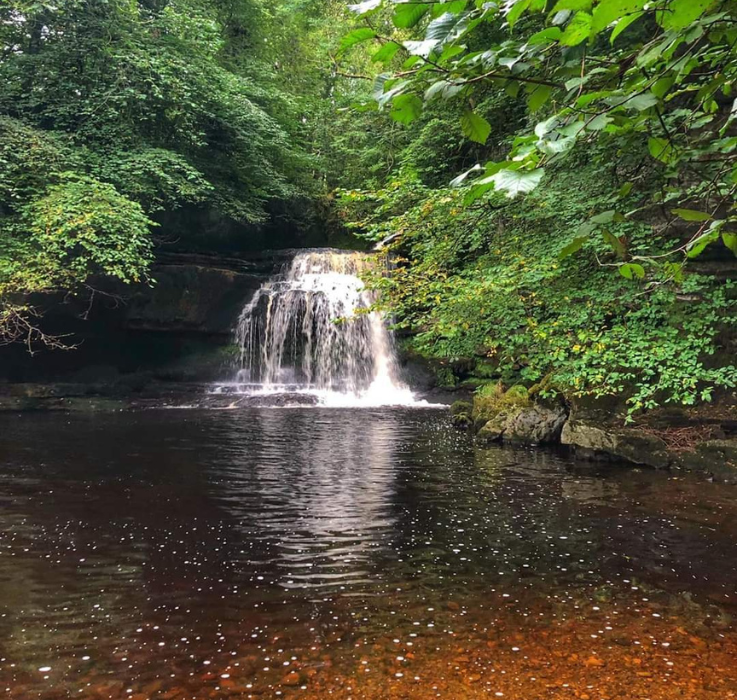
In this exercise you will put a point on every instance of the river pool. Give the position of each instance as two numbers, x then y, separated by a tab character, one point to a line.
350	554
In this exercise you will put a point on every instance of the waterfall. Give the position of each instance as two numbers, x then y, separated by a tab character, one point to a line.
310	329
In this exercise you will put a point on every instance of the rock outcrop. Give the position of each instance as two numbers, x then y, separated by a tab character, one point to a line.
513	416
596	429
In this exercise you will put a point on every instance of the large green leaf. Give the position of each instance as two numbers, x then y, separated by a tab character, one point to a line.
514	182
454	6
406	108
545	36
355	37
515	10
443	89
386	52
578	29
692	215
624	23
573	247
679	14
475	127
630	270
730	240
572	5
408	14
538	97
696	247
660	149
609	11
440	29
421	48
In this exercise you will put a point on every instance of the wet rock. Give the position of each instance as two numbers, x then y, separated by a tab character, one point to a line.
630	444
285	399
715	458
493	430
535	425
461	414
512	416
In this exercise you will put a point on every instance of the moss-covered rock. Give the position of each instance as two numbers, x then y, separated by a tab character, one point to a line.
460	413
513	417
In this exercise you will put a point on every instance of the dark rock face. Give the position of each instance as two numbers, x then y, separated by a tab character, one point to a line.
632	445
596	430
716	458
179	328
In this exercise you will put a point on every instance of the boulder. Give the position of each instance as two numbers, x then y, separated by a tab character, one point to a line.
536	425
493	430
714	458
512	416
612	442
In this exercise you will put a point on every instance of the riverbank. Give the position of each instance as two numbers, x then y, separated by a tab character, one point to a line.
700	439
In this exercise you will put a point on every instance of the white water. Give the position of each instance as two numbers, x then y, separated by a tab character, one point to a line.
310	330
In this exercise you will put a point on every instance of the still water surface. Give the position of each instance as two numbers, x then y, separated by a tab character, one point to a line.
317	553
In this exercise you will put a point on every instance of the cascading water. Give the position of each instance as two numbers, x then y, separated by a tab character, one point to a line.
310	330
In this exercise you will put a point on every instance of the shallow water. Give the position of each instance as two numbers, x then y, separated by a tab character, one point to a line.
327	553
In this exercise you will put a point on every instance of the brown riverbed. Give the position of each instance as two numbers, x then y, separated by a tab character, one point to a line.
313	553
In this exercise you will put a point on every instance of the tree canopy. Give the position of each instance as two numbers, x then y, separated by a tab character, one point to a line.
554	179
572	234
112	112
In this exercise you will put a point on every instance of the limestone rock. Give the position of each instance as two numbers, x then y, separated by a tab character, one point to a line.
535	425
629	444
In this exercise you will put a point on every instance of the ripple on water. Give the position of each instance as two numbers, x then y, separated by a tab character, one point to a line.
364	554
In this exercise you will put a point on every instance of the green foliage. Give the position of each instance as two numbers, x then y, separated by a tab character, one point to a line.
662	88
85	227
111	112
565	251
488	281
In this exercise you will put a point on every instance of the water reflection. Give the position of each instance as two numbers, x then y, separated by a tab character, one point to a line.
325	511
349	554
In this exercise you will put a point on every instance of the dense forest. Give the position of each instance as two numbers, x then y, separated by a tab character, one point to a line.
368	349
554	180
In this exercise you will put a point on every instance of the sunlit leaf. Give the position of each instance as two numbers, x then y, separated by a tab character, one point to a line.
632	270
357	36
660	149
386	52
514	182
623	24
578	30
730	240
692	215
408	14
609	11
406	108
475	127
679	14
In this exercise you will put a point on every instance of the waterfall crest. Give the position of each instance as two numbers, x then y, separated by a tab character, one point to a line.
310	330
